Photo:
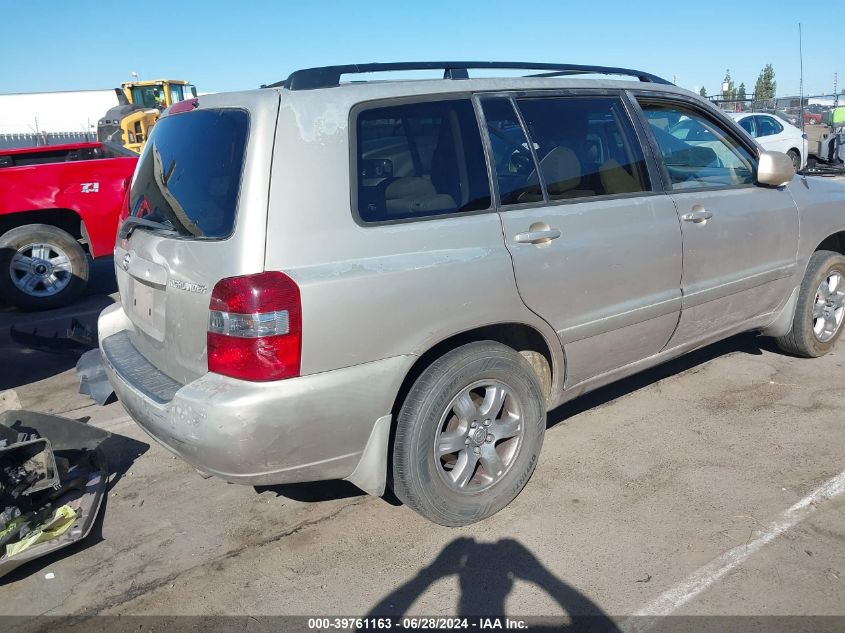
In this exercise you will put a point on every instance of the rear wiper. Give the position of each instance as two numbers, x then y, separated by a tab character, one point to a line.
133	222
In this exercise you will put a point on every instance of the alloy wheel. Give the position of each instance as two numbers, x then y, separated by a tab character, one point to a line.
829	307
479	436
40	270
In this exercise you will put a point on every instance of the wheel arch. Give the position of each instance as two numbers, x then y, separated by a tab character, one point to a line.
525	339
782	324
375	468
834	242
66	219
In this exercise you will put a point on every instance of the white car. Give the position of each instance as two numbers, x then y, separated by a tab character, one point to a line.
775	134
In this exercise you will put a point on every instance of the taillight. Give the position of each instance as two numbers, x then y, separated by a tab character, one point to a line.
124	205
255	327
184	106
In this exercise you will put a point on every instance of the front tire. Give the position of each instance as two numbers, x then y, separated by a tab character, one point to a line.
41	267
820	310
469	434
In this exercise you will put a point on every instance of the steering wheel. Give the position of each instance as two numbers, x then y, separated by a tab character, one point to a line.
521	159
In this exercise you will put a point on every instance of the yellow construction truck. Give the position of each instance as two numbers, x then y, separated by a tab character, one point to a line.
139	104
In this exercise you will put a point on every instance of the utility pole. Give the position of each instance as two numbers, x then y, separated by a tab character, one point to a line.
835	90
801	84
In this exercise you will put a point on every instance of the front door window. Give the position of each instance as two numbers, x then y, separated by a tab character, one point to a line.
697	152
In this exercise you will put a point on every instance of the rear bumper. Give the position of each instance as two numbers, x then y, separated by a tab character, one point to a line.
302	429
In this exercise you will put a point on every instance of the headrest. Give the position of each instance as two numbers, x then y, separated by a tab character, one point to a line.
561	170
409	187
615	179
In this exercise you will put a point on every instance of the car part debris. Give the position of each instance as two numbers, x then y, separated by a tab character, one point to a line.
71	345
27	464
59	522
92	377
53	476
81	333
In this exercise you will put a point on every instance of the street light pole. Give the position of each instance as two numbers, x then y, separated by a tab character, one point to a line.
801	79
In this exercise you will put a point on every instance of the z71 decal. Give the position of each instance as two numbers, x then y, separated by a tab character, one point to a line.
90	187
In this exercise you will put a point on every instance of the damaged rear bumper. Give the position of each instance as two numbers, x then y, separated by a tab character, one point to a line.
301	429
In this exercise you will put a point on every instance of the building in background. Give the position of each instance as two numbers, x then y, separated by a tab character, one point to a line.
42	118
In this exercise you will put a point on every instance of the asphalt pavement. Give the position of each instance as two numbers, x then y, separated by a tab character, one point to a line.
711	485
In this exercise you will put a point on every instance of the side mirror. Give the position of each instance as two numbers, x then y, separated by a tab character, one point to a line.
775	169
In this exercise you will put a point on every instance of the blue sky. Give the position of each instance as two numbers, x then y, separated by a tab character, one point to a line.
228	45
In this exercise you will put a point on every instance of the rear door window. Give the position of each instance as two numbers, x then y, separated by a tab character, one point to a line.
189	175
767	126
513	158
586	146
419	160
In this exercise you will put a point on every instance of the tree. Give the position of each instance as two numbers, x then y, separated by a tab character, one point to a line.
766	86
740	98
703	91
728	90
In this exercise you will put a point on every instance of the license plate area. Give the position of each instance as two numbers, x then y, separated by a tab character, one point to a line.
147	305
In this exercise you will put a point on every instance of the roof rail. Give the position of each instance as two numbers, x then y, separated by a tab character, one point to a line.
329	76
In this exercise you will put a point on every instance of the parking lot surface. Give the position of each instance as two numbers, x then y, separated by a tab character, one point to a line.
669	492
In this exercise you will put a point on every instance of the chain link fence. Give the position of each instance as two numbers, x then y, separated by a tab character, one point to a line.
799	111
12	141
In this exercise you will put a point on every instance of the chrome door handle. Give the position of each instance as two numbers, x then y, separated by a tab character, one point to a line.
537	237
698	216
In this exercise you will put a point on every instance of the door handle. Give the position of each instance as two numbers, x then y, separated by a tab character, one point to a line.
697	215
537	237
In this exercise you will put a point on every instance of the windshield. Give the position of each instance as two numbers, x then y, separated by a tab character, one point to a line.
148	96
189	174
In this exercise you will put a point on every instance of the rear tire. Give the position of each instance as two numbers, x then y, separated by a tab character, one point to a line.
41	267
469	434
819	312
796	159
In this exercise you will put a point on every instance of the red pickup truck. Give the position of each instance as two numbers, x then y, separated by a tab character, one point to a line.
59	205
812	118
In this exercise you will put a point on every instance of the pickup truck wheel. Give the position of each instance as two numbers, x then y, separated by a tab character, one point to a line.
820	311
469	434
41	267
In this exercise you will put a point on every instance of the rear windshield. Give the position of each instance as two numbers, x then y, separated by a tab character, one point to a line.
189	174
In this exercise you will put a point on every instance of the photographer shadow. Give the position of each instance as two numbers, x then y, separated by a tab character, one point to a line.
486	575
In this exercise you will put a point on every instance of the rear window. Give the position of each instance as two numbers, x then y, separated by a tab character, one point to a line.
189	174
420	160
45	156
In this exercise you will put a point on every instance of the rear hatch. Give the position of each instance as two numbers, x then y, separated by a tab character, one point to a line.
200	188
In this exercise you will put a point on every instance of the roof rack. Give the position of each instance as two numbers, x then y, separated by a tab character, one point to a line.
329	76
